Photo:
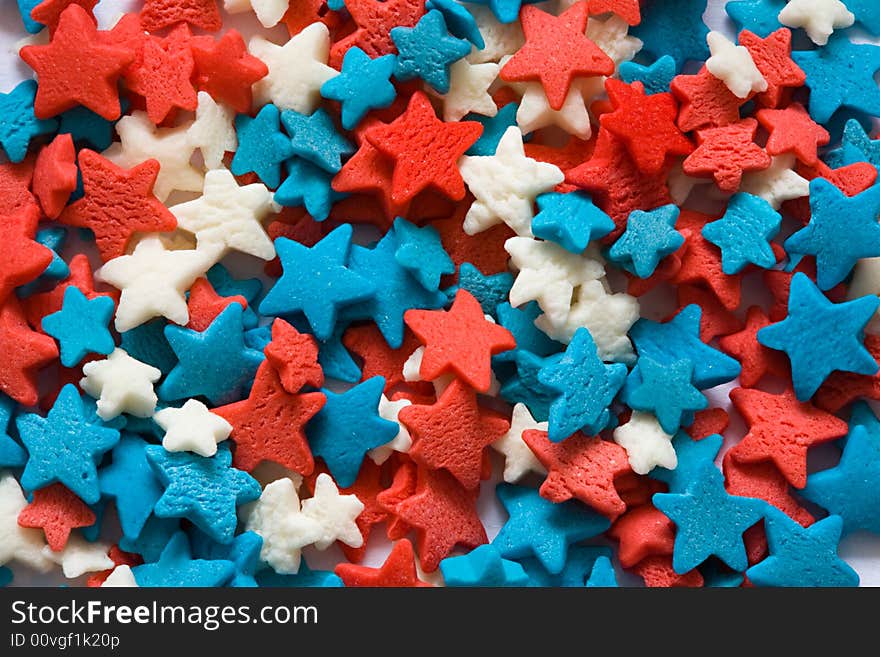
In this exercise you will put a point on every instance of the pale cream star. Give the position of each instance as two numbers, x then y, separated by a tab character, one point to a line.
500	39
23	545
519	460
469	90
777	184
647	445
734	66
192	428
335	514
389	410
818	17
121	384
80	557
213	131
534	111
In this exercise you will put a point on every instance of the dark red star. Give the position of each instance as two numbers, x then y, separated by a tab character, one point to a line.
399	570
23	352
294	356
22	258
56	511
226	70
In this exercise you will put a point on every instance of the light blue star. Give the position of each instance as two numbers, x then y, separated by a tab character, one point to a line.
709	522
308	186
459	20
427	51
316	281
576	572
856	146
656	78
494	128
802	556
481	567
693	456
130	481
53	239
506	11
679	338
867	14
603	575
571	220
25	7
421	253
305	578
841	74
215	362
526	388
842	231
758	16
81	326
521	323
12	455
243	552
205	491
541	529
177	568
584	387
362	85
314	138
347	427
849	489
262	147
18	125
674	28
649	237
490	291
64	447
804	336
744	232
666	390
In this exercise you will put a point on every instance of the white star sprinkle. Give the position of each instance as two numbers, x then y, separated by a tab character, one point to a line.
80	557
469	90
646	444
389	410
192	428
213	132
121	384
519	460
734	66
335	514
818	17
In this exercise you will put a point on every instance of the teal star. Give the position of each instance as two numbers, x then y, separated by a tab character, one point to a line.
64	447
666	390
215	363
709	522
81	326
308	186
262	147
483	566
841	74
427	51
363	84
802	556
584	388
656	78
675	28
842	231
571	220
494	128
490	291
758	16
314	138
130	482
176	567
820	336
744	232
205	491
693	456
649	237
421	253
525	386
18	125
856	146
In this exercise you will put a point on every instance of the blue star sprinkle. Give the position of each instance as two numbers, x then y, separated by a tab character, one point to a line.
308	186
482	566
693	456
526	388
666	390
820	336
421	253
521	323
81	326
362	85
315	139
427	51
744	232
459	20
490	291
130	481
856	146
649	237
494	128
758	16
18	125
676	28
656	78
262	147
12	455
176	567
571	220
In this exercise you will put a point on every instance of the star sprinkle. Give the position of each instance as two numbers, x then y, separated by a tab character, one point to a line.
402	441
225	70
772	56
296	70
176	567
294	356
262	147
676	28
584	388
813	358
21	125
76	45
421	253
153	281
842	230
744	232
426	51
11	452
505	185
79	557
228	216
490	291
363	84
534	111
734	65
647	445
539	528
188	478
705	101
314	138
666	390
793	131
56	511
55	175
334	514
759	16
555	73
841	75
571	220
649	237
303	267
308	186
192	428
469	90
20	544
726	153
130	482
23	353
23	258
212	132
64	447
121	384
819	18
474	338
482	566
802	556
81	326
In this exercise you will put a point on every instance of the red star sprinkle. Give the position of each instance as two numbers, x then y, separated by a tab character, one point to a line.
716	320
772	57
56	511
701	263
205	304
792	130
366	342
77	68
49	12
582	467
484	251
460	341
118	557
645	124
841	388
270	424
628	10
708	422
453	433
617	185
374	21
157	14
764	482
55	175
659	573
15	182
781	430
226	70
21	258
424	149
756	359
444	514
302	13
117	203
294	356
403	486
399	570
642	532
556	51
705	101
23	352
574	152
161	73
726	153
